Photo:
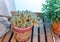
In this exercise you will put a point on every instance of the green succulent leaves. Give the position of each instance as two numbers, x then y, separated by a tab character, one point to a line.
24	19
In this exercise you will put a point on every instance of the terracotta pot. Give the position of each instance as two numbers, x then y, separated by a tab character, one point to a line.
56	27
22	34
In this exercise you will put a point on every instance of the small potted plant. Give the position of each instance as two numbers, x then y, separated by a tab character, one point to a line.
22	23
51	12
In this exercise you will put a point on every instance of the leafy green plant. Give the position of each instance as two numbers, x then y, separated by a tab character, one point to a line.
51	10
24	19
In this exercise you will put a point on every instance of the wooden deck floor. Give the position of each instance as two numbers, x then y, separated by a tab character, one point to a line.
46	34
35	36
40	34
9	37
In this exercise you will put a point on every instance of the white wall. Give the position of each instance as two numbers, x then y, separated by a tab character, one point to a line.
10	5
3	8
32	5
6	6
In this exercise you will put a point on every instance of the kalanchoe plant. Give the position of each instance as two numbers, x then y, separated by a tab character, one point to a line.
51	10
24	19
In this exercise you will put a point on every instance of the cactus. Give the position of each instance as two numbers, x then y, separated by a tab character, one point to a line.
24	19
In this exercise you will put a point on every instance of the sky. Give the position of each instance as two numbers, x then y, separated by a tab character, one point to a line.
31	5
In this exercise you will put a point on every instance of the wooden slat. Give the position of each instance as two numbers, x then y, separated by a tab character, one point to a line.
1	39
42	35
56	37
35	34
48	32
7	37
13	39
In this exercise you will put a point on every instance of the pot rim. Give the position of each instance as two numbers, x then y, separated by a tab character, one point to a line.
17	29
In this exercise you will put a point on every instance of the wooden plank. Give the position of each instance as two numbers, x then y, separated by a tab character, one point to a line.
42	35
13	39
35	34
1	39
7	37
48	32
56	37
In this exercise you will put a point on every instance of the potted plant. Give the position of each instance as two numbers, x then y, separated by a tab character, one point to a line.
51	12
22	23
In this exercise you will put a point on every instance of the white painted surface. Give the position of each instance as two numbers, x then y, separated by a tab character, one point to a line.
6	6
10	6
3	8
32	5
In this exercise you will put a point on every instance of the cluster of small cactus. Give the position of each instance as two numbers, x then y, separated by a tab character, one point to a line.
24	19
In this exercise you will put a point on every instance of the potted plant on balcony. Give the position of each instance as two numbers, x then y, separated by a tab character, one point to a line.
22	23
51	11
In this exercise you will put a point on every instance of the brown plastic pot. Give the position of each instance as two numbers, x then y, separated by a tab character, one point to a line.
56	27
22	34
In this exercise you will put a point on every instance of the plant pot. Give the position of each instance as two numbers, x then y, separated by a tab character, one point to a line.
22	34
56	27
